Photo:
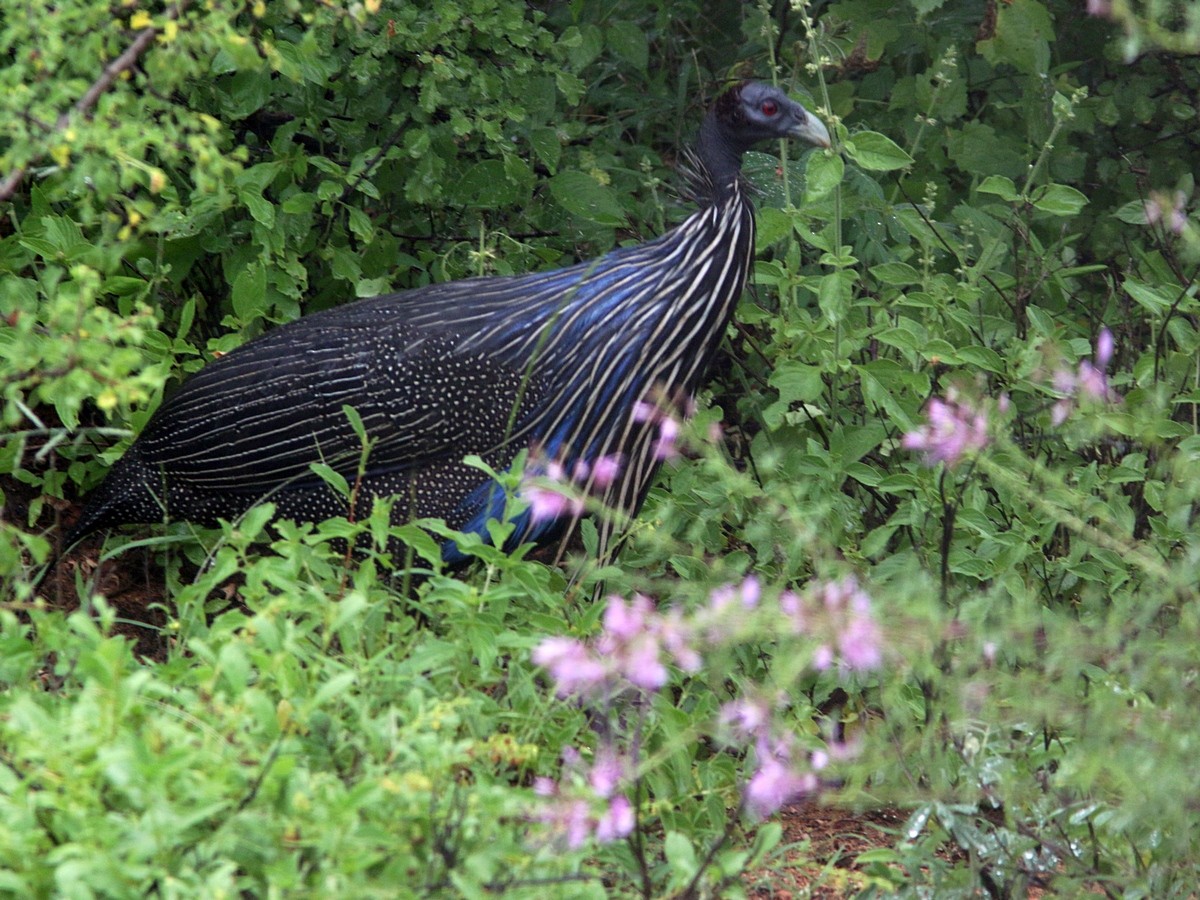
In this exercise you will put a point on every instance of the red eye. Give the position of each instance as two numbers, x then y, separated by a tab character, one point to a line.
769	107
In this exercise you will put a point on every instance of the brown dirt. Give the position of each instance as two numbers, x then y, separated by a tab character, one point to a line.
821	845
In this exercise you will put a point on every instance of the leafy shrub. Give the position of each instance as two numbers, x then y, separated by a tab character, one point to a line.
965	377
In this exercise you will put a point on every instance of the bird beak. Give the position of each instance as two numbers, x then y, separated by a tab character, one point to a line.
813	130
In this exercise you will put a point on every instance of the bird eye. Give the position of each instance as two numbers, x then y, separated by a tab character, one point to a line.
769	107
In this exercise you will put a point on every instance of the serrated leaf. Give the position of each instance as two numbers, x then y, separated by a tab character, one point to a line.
581	194
877	152
833	295
1060	200
485	186
822	174
361	224
628	41
773	224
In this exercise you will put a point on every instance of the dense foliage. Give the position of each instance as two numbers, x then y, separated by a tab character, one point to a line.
931	541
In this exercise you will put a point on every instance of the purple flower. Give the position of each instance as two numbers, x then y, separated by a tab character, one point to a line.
552	496
954	428
569	807
748	719
860	643
1088	381
676	637
792	606
607	772
573	667
1105	344
668	426
822	658
775	783
641	664
617	821
605	470
568	819
668	434
623	622
751	592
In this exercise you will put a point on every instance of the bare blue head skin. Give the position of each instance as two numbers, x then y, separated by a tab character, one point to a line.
748	114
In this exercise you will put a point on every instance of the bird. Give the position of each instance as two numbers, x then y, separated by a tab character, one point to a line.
554	365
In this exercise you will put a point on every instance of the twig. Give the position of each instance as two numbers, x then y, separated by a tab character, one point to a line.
88	101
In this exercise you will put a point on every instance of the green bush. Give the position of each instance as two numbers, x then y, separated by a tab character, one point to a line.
965	377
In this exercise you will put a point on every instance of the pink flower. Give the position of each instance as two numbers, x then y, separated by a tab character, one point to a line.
573	667
1088	381
668	434
775	783
748	719
607	772
641	664
605	470
751	592
792	606
860	643
676	637
617	821
954	428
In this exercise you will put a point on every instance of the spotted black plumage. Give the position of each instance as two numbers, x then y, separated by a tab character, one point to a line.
553	361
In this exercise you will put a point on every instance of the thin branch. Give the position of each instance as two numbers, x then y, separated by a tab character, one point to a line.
88	101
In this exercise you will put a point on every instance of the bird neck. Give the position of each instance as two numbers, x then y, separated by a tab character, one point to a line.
722	161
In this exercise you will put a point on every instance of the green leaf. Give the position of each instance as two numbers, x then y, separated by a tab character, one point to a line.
583	196
249	294
485	186
331	477
1133	213
896	273
681	855
773	224
260	208
877	152
1152	299
1060	200
833	295
822	174
547	146
1001	186
628	41
361	224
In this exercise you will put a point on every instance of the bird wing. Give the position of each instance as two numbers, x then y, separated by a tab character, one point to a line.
258	417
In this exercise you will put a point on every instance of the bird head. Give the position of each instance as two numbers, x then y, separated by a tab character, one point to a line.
752	112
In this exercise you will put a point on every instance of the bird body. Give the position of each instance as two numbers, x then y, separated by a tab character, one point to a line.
555	362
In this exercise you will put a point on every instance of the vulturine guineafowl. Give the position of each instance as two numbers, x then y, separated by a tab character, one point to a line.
553	361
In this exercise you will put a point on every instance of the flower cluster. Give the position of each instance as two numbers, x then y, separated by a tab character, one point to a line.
1171	213
668	428
629	651
956	426
587	803
632	652
1089	381
554	490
